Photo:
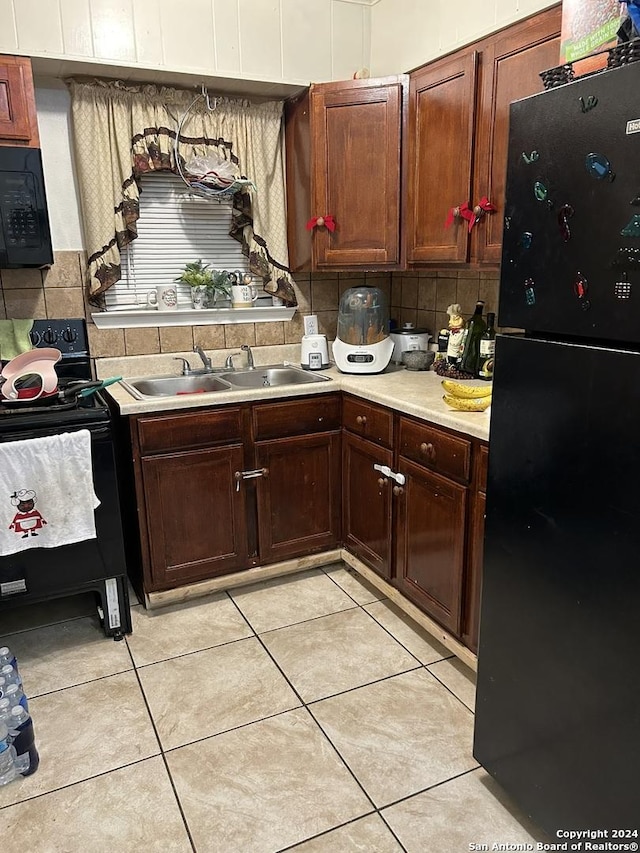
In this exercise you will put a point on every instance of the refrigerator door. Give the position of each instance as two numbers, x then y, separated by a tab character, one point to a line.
558	703
571	250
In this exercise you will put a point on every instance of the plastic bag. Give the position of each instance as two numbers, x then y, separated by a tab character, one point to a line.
212	171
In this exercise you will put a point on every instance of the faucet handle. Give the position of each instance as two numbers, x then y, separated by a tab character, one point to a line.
246	348
186	367
228	365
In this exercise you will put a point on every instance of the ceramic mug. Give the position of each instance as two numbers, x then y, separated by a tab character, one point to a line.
164	297
199	297
243	295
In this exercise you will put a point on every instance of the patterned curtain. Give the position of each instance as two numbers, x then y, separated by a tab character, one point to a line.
122	131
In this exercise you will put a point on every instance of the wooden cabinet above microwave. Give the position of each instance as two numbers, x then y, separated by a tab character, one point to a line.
18	120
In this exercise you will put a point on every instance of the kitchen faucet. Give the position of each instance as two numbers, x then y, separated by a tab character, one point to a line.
246	348
205	358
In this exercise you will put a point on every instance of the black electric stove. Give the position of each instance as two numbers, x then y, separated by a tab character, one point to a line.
98	565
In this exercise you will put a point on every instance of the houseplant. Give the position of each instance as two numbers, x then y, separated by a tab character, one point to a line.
208	286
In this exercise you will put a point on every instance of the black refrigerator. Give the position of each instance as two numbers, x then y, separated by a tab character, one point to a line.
558	701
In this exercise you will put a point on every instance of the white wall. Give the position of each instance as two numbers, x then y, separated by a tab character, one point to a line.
294	41
407	33
53	105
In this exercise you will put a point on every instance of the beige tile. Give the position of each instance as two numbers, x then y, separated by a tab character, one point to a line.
208	337
105	343
426	735
467	294
470	808
427	320
269	334
3	310
141	341
21	279
84	731
366	835
66	270
446	293
427	294
328	323
264	787
405	630
489	290
284	601
25	304
302	289
62	655
131	809
184	628
325	295
176	339
294	329
409	292
240	333
336	653
355	586
234	684
460	273
63	302
408	315
460	680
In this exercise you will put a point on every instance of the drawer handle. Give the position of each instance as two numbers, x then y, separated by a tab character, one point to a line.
250	475
398	490
361	420
428	450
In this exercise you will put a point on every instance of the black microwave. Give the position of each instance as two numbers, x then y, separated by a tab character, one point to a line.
25	238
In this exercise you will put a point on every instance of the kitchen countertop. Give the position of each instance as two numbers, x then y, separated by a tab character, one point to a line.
416	393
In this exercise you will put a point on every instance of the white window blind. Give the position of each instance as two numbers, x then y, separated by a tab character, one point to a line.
175	228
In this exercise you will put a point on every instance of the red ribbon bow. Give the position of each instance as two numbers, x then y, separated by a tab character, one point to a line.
482	207
328	221
463	211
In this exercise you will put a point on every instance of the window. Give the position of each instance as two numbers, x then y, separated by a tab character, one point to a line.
174	228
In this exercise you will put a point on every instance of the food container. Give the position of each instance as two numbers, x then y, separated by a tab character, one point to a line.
408	338
418	359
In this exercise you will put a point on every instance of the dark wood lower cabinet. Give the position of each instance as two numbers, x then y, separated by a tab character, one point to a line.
367	501
299	497
195	518
430	543
473	583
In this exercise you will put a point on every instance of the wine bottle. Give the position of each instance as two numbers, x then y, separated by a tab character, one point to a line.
476	328
487	349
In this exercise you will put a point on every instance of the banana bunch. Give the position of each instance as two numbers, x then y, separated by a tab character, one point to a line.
466	398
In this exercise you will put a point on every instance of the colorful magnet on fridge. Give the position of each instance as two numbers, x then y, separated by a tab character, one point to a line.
588	104
632	228
635	201
564	215
530	158
526	238
541	194
529	292
622	289
581	288
599	167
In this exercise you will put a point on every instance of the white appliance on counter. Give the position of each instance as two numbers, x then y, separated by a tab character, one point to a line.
314	352
363	344
408	338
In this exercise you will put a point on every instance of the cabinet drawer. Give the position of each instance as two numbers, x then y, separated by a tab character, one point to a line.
296	417
435	449
181	431
372	422
482	463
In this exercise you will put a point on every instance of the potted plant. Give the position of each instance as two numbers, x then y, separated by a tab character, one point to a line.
207	285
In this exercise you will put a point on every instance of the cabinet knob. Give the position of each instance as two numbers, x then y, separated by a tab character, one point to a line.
382	482
361	420
398	490
428	450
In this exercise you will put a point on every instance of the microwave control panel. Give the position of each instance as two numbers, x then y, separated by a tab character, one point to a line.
18	210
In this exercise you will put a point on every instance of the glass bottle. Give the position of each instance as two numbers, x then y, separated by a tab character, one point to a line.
487	349
476	328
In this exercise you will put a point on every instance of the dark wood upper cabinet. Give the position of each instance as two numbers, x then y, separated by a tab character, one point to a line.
344	153
440	156
18	120
458	137
511	64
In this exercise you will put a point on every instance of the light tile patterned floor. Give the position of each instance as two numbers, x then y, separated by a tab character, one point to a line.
303	713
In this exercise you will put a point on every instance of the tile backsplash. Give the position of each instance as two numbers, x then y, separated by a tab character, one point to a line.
418	297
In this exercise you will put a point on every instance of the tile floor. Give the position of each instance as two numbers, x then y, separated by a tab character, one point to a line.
303	713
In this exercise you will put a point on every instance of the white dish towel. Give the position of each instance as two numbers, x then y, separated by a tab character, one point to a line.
47	497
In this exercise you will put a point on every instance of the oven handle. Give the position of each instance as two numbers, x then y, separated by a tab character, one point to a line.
25	436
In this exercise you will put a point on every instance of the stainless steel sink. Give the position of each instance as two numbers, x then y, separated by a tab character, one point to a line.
272	376
171	386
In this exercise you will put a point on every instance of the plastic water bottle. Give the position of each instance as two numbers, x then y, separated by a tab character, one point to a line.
8	770
8	657
24	741
5	711
15	694
10	674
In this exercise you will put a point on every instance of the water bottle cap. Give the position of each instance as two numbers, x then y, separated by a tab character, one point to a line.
4	703
7	669
4	650
17	711
11	689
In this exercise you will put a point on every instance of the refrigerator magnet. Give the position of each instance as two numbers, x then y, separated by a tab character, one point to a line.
599	167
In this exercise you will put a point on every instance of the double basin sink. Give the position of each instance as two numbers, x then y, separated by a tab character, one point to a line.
269	376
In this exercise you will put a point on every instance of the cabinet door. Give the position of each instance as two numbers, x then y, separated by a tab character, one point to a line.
299	497
430	543
473	583
18	121
511	64
366	498
440	157
355	143
195	518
